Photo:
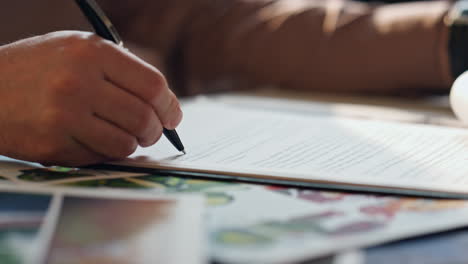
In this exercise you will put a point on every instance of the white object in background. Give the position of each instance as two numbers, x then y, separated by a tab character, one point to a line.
459	97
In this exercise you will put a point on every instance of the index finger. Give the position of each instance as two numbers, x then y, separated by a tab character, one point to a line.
131	73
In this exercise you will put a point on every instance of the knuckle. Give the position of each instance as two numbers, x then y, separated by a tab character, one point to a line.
158	80
54	118
171	114
79	46
49	152
156	86
158	133
64	83
144	120
126	147
174	104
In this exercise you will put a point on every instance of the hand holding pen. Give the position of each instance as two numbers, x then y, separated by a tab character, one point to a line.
105	29
71	98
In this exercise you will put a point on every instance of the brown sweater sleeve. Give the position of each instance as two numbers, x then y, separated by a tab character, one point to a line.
321	45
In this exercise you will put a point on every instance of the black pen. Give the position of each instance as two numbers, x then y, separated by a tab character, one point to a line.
104	28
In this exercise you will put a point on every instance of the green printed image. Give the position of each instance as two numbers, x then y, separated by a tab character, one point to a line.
14	243
218	199
266	233
179	184
21	217
3	178
242	238
111	183
165	184
50	174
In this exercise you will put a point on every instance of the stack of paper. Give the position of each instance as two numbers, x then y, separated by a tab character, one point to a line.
334	152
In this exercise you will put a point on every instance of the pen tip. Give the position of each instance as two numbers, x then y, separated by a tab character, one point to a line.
183	151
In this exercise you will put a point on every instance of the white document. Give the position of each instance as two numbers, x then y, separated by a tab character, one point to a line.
231	140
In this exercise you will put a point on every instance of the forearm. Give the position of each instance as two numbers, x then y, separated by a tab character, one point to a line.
303	44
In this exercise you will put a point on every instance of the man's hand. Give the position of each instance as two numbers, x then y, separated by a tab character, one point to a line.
72	98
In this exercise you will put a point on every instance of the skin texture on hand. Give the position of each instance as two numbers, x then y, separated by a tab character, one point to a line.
72	98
